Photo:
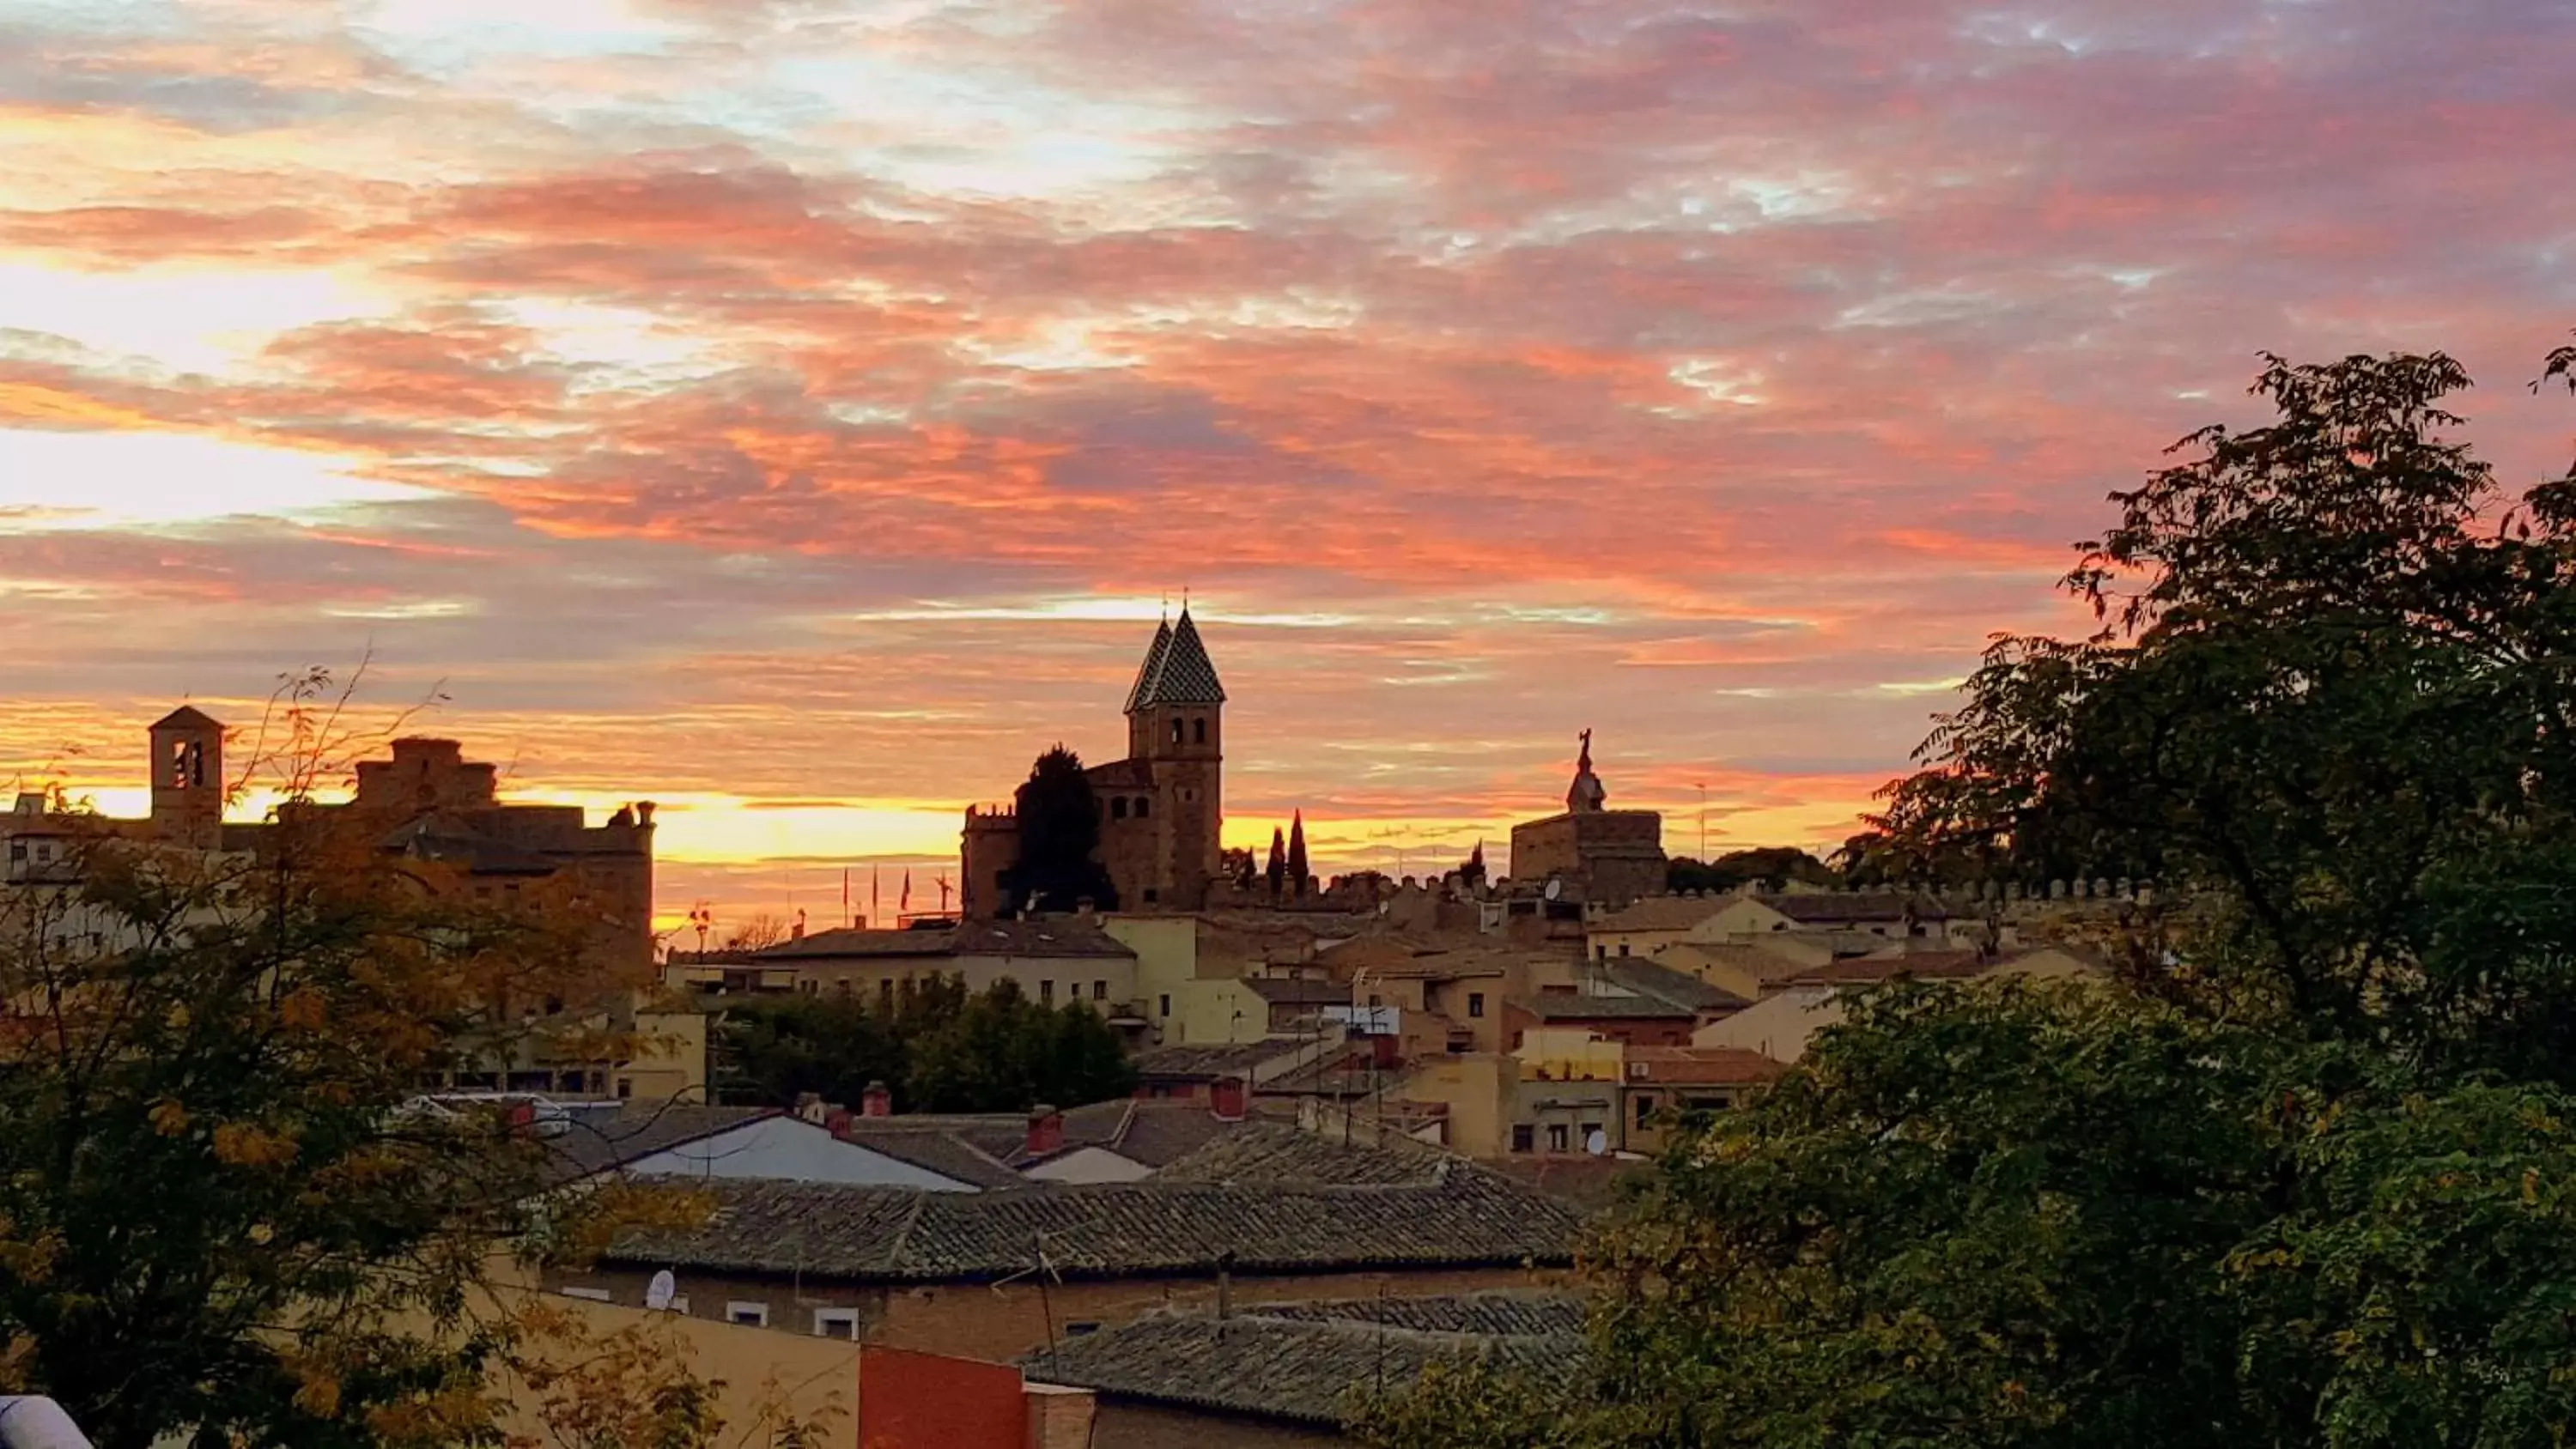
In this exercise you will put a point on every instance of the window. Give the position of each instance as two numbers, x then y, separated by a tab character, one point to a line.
1556	1137
1046	992
1590	1131
625	1087
1623	948
1198	727
836	1323
1375	1000
1100	991
1080	1330
1144	807
1152	895
1601	952
1117	807
885	993
17	850
590	1295
749	1315
1163	1004
809	987
1475	1003
1176	731
844	988
1524	1137
1645	1107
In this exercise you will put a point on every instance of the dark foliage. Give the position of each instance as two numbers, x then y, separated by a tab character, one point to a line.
1059	840
938	1048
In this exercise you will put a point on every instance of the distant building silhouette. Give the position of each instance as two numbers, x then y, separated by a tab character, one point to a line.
1161	808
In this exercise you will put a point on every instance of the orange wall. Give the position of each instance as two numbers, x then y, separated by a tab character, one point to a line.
926	1401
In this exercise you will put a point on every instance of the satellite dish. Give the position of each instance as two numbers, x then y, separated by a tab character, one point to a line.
659	1293
1555	887
1598	1144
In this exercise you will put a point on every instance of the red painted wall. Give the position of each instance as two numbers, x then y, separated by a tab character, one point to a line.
926	1401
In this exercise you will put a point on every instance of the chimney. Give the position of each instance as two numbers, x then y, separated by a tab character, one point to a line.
1085	907
876	1101
837	1122
1046	1130
1225	1099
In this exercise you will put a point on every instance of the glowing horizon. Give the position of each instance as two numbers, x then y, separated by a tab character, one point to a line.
797	411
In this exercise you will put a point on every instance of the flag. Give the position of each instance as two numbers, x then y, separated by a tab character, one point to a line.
903	902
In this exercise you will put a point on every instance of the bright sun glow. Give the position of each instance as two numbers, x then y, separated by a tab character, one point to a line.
117	480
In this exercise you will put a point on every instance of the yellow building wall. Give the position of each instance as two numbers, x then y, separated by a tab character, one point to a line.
1207	1013
671	1065
1570	1054
1167	955
1472	1088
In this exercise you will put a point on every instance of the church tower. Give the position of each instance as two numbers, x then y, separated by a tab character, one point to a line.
1175	727
188	778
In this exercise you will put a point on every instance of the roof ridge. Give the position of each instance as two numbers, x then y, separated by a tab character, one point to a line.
899	1242
1152	667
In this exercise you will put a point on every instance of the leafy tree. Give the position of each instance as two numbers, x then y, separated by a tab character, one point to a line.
1774	867
938	1049
1006	1053
1237	864
1059	819
2301	1172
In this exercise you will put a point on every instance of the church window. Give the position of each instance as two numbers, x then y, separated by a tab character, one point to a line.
1176	731
1117	807
1198	727
1144	806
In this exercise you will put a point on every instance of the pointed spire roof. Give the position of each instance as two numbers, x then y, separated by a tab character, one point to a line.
1177	670
1153	665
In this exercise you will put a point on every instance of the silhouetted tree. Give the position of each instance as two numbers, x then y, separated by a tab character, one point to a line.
1277	870
1238	865
1059	840
1770	866
1298	872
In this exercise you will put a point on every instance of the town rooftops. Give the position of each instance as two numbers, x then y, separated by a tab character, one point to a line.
1214	1062
1698	1066
1313	1363
1834	908
1569	1006
596	1142
1299	990
1920	965
1640	977
990	1149
1040	936
1452	1214
1663	913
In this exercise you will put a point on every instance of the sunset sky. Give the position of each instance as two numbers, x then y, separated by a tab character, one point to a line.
799	411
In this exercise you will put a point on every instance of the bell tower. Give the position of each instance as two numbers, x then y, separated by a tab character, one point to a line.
1176	727
188	778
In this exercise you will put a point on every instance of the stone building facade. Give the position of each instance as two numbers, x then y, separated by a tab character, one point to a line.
1592	852
1162	808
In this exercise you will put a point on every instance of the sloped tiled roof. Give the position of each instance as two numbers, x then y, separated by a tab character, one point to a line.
1212	1061
1298	990
1121	775
951	1154
597	1142
1663	913
1827	908
1263	1152
1038	936
1712	1066
1680	988
1152	667
1921	965
1311	1364
1566	1006
1464	1217
1177	670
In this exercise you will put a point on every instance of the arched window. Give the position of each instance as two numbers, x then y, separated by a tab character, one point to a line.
1176	729
1199	727
1117	807
1144	806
